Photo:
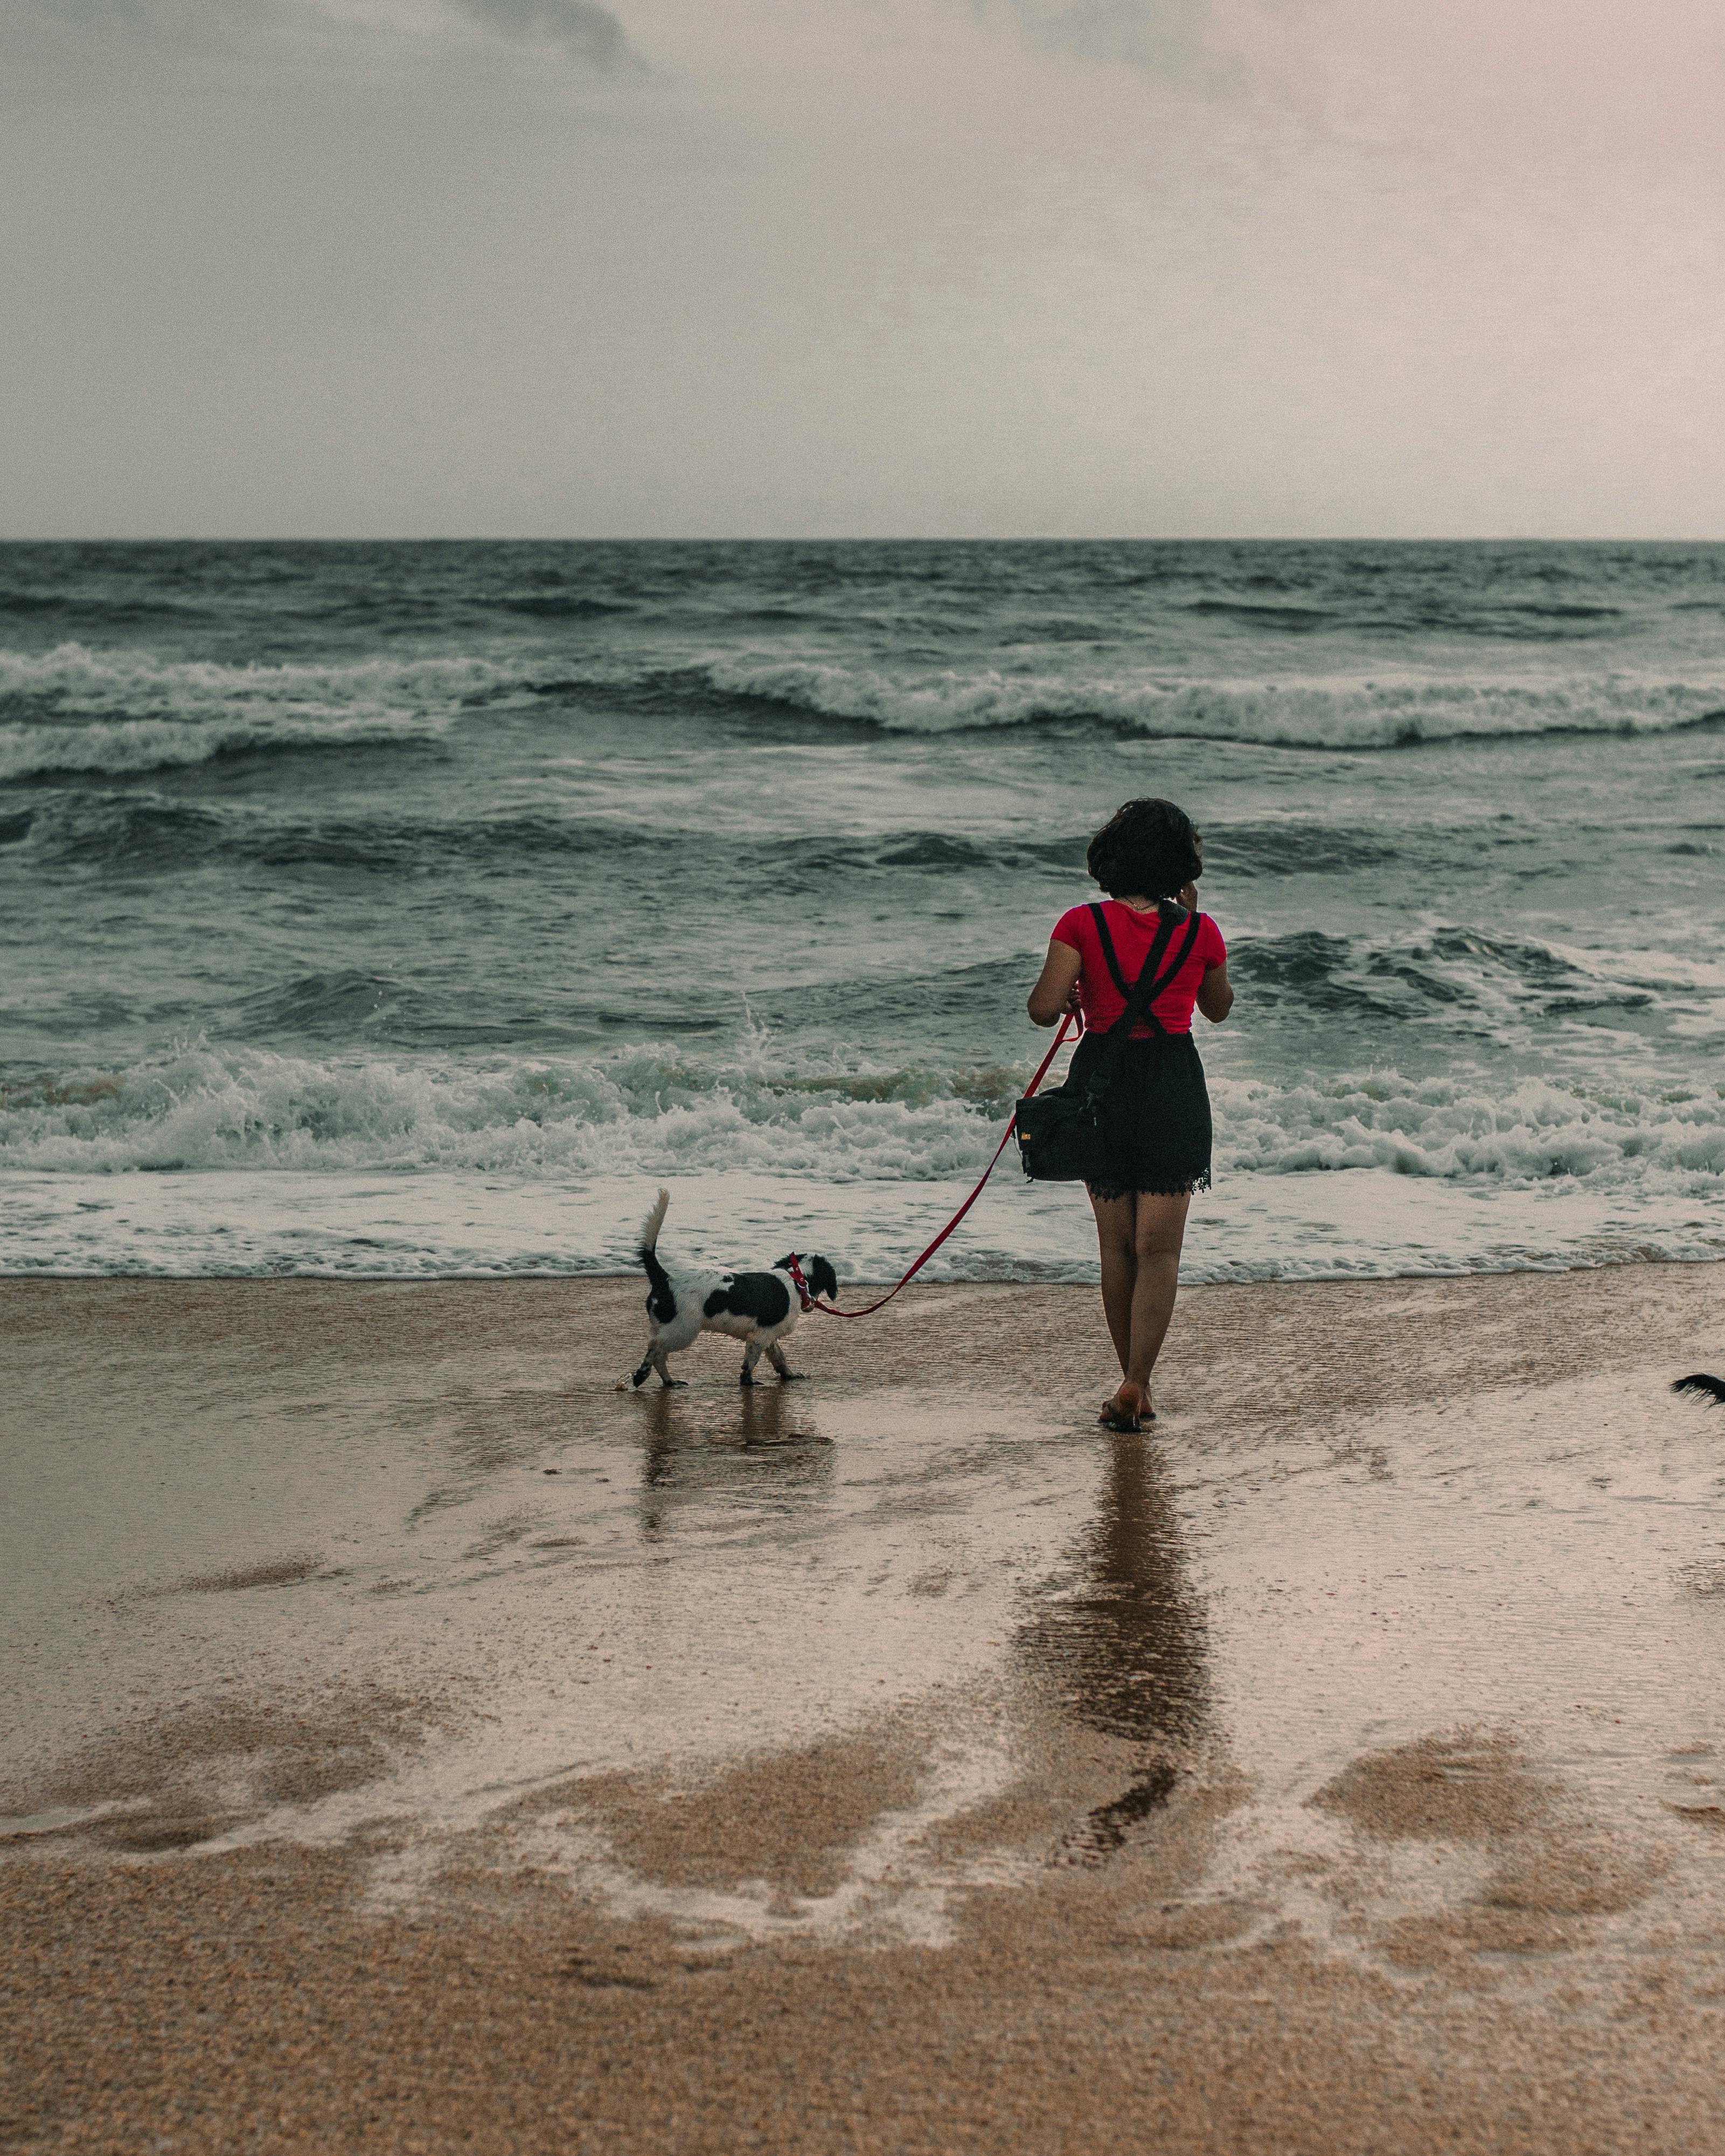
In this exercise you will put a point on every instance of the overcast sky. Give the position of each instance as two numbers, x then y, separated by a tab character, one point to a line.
836	267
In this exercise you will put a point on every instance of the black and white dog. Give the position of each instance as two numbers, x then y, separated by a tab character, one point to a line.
760	1308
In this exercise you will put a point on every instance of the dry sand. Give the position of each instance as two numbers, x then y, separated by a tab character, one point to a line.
413	1742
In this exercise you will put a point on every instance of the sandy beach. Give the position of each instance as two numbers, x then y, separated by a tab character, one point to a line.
414	1743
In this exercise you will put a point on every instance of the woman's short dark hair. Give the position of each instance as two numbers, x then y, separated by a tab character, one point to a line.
1146	849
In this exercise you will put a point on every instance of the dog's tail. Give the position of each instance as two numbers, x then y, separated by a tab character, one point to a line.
652	1225
661	1303
1713	1387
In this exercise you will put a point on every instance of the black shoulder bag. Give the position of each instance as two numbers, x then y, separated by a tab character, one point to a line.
1058	1130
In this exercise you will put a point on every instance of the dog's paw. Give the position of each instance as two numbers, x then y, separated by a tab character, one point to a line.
746	1379
674	1384
792	1377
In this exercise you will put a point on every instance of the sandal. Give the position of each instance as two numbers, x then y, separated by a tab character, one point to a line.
1128	1410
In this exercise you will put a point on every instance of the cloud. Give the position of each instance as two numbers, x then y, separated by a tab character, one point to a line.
1164	37
584	28
79	14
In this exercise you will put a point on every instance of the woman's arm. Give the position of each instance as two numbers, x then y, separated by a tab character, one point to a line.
1056	989
1215	993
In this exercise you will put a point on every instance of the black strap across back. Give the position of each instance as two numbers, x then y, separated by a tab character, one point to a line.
1143	991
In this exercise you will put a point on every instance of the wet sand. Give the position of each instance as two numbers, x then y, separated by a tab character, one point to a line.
414	1743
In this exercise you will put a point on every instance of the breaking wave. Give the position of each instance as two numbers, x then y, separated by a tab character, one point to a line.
654	1111
75	709
1340	713
72	710
141	745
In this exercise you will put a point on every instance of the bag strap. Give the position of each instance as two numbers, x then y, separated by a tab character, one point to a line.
1148	986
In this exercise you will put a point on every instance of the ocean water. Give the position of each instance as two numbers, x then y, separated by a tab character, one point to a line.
417	909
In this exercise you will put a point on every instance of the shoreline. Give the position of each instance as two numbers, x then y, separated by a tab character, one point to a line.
889	1761
1630	1260
417	1223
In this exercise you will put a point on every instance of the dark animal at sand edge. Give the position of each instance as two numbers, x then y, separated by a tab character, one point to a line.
759	1308
1711	1389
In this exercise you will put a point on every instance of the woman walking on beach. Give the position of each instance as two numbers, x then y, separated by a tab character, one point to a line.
1153	1140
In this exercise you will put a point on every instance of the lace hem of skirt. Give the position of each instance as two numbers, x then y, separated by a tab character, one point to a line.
1190	1188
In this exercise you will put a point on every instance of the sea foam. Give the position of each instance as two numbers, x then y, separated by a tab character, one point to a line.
650	1111
77	711
1342	713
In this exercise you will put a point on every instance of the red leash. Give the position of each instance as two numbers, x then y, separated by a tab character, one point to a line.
827	1310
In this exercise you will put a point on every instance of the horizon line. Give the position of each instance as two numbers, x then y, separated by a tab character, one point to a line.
865	539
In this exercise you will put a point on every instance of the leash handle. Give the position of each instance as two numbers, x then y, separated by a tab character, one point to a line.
827	1310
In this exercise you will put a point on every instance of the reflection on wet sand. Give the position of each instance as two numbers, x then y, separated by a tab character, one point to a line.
758	1451
1126	1645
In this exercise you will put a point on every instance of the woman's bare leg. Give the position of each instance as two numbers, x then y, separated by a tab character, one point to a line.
1117	1239
1160	1230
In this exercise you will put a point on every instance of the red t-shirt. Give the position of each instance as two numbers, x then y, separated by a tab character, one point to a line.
1134	933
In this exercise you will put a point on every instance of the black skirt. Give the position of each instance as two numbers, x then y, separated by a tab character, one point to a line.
1155	1134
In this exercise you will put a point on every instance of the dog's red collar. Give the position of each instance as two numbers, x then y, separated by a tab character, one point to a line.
793	1267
